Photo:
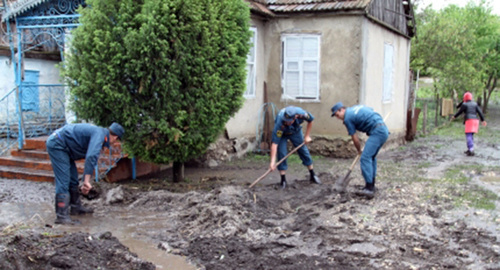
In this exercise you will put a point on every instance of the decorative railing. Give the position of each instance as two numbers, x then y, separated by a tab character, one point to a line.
38	114
8	104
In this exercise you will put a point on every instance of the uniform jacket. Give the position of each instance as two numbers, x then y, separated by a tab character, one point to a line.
280	129
84	141
361	118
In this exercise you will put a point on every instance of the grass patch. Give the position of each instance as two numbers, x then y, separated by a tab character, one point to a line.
455	188
425	165
256	157
454	129
455	175
477	197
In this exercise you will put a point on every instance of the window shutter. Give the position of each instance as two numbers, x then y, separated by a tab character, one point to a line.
388	72
301	66
251	59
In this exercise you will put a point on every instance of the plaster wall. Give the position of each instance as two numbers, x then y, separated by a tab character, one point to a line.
49	74
340	65
374	39
244	122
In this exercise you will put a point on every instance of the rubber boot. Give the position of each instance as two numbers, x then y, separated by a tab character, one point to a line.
283	182
76	204
314	178
368	191
62	210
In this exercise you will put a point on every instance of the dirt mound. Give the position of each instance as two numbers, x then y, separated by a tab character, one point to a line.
311	227
47	250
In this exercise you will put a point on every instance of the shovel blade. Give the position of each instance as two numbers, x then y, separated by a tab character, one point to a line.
342	182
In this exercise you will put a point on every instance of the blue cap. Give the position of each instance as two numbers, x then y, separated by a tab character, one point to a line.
117	129
290	113
336	107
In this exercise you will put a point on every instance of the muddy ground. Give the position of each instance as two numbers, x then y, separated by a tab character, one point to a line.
435	208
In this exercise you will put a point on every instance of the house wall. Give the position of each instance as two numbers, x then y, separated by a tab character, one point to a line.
7	83
351	64
374	39
49	74
340	65
244	122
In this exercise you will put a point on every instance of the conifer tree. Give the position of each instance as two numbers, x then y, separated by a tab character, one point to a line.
172	72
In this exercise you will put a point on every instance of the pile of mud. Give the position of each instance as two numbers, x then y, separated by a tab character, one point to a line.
46	250
311	227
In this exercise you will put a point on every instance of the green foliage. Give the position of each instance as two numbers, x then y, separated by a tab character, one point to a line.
171	72
458	47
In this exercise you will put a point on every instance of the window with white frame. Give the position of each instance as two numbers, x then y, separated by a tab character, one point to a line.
300	71
251	57
388	72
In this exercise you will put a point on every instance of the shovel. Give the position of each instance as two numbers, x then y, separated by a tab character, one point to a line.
342	182
279	162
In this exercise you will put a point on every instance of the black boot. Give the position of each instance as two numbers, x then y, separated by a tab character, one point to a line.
76	204
62	210
283	182
314	178
368	191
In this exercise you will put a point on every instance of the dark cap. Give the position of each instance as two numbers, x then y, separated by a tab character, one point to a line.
117	129
290	113
336	107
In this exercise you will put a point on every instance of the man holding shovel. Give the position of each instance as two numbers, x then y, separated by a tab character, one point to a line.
287	126
364	119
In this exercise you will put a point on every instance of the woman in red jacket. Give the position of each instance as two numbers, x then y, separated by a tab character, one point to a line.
471	110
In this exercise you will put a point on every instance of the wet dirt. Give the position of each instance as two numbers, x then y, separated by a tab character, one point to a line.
424	216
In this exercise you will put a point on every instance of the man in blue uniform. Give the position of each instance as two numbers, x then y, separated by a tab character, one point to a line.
364	119
67	144
287	126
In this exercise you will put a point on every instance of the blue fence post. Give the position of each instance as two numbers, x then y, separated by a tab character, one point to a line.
134	175
20	138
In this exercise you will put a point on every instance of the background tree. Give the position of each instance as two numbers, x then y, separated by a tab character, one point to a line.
171	71
456	46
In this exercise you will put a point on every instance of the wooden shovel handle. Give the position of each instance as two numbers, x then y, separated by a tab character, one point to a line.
279	162
354	162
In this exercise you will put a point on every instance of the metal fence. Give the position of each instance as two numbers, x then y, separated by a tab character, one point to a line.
31	115
430	115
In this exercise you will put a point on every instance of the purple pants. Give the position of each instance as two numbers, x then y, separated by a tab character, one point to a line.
470	141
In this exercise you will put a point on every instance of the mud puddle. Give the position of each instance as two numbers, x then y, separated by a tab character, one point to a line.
117	223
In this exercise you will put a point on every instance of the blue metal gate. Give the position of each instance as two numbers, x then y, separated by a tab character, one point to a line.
38	25
30	97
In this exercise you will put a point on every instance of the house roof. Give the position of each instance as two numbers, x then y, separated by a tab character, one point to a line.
290	6
266	7
15	8
273	7
260	6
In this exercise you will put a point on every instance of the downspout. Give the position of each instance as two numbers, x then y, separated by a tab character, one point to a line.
20	138
16	64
